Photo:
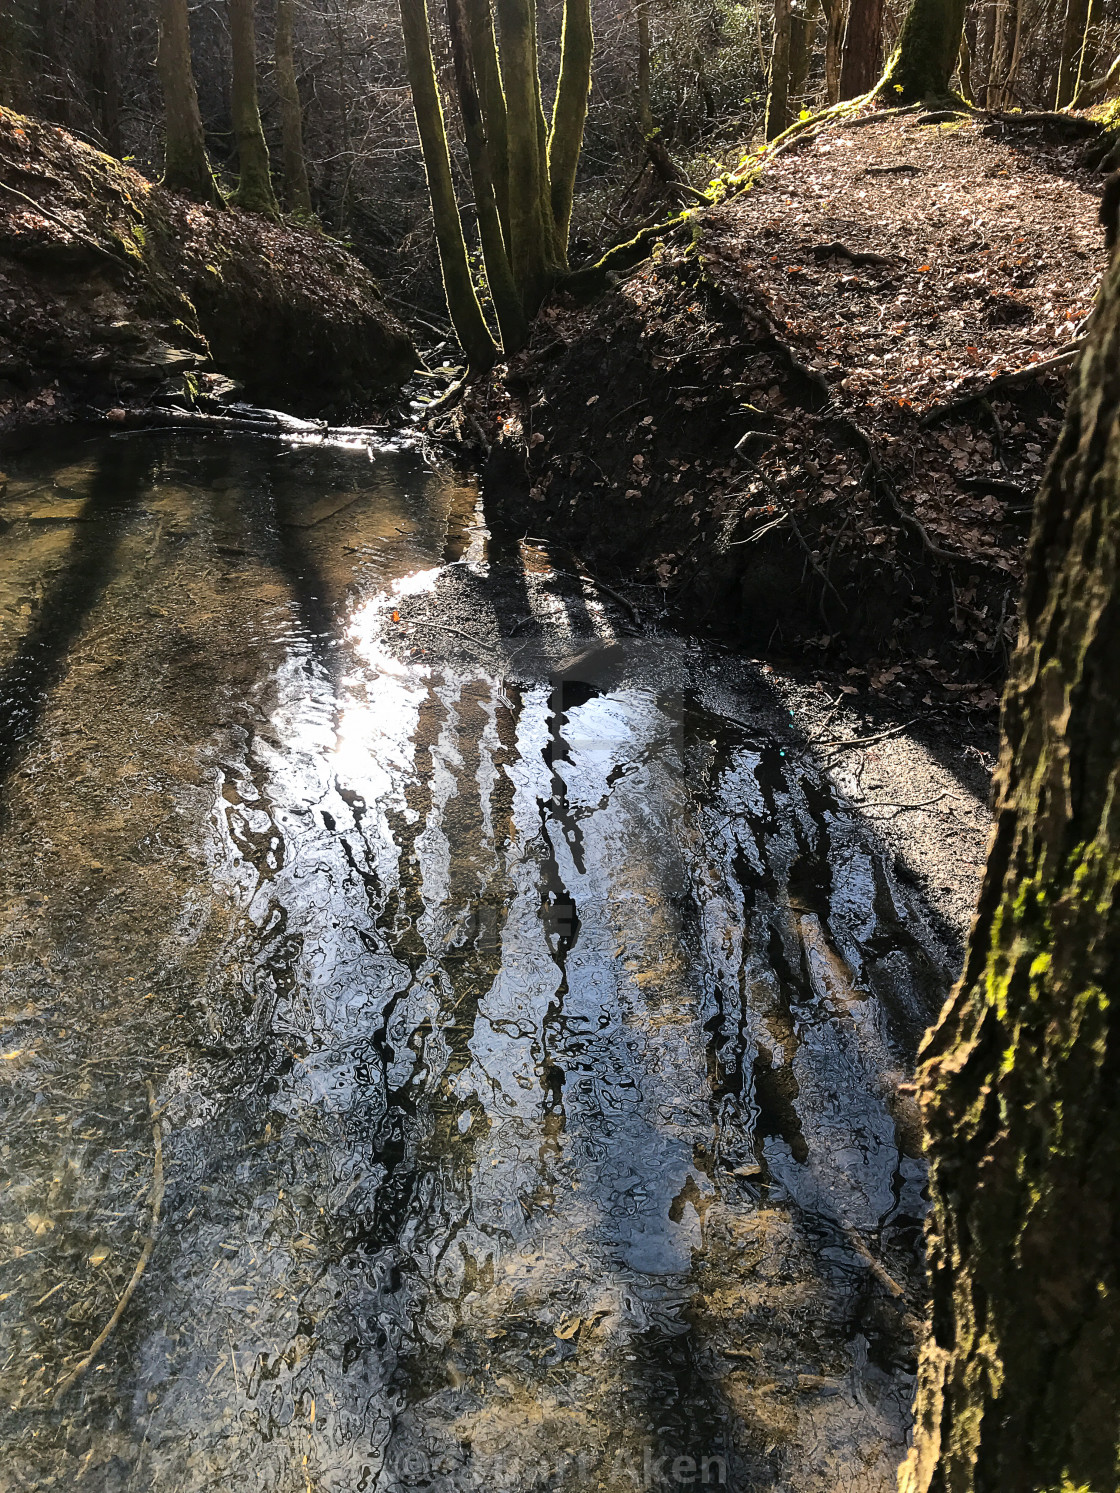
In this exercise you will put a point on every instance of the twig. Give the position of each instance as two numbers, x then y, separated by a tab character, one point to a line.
156	1199
758	533
442	627
890	803
862	741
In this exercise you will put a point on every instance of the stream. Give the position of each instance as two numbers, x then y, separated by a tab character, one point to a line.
508	1009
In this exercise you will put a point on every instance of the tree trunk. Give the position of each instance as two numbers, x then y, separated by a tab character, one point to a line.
1087	61
1003	21
499	276
13	59
488	76
569	114
964	68
642	93
462	302
802	20
254	190
835	12
529	234
186	167
777	99
863	42
106	78
1073	33
297	193
926	54
1019	1382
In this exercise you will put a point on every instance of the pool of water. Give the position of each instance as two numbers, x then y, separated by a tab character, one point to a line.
508	1023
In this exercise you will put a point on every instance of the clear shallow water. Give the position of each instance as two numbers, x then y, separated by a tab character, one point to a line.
523	1036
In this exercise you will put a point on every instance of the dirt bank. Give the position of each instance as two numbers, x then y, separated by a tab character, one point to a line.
112	289
818	422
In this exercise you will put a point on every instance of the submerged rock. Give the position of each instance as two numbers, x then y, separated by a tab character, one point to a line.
110	285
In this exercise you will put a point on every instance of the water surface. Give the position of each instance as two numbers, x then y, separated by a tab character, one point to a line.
522	1016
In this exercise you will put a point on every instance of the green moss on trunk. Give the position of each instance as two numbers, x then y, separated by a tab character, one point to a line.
297	192
186	166
569	113
926	54
254	189
462	301
1019	1385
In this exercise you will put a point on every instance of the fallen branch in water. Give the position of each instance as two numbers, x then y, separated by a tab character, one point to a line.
141	1264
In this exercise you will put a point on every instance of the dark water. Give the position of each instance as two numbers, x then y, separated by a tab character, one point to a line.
523	1048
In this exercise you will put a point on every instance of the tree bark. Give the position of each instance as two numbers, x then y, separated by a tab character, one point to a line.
835	13
499	276
106	77
777	98
863	43
297	192
926	54
462	302
802	19
254	190
641	85
13	60
569	114
1073	33
1019	1380
488	76
529	233
186	167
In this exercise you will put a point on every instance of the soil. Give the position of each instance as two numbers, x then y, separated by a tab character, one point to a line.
815	420
112	290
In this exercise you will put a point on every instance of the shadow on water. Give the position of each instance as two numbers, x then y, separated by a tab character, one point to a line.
122	471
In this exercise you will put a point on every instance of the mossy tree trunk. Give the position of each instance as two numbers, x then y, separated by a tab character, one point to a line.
297	191
863	44
569	115
927	52
462	301
254	189
777	96
186	166
1073	32
529	233
491	94
1019	1381
499	274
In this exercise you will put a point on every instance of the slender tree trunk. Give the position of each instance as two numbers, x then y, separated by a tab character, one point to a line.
1004	23
569	114
964	68
927	52
1019	1379
835	13
106	77
488	75
1073	34
13	57
529	235
254	190
462	302
642	91
503	289
1087	61
186	167
1093	91
777	100
297	192
802	21
863	43
58	106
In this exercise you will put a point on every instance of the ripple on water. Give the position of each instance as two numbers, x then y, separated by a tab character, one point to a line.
525	1043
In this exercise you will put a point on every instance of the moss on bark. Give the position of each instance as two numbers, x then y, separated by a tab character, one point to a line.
297	191
927	51
1019	1383
186	166
569	114
254	189
462	301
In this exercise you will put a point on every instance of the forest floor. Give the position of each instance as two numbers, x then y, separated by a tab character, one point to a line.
817	422
114	292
